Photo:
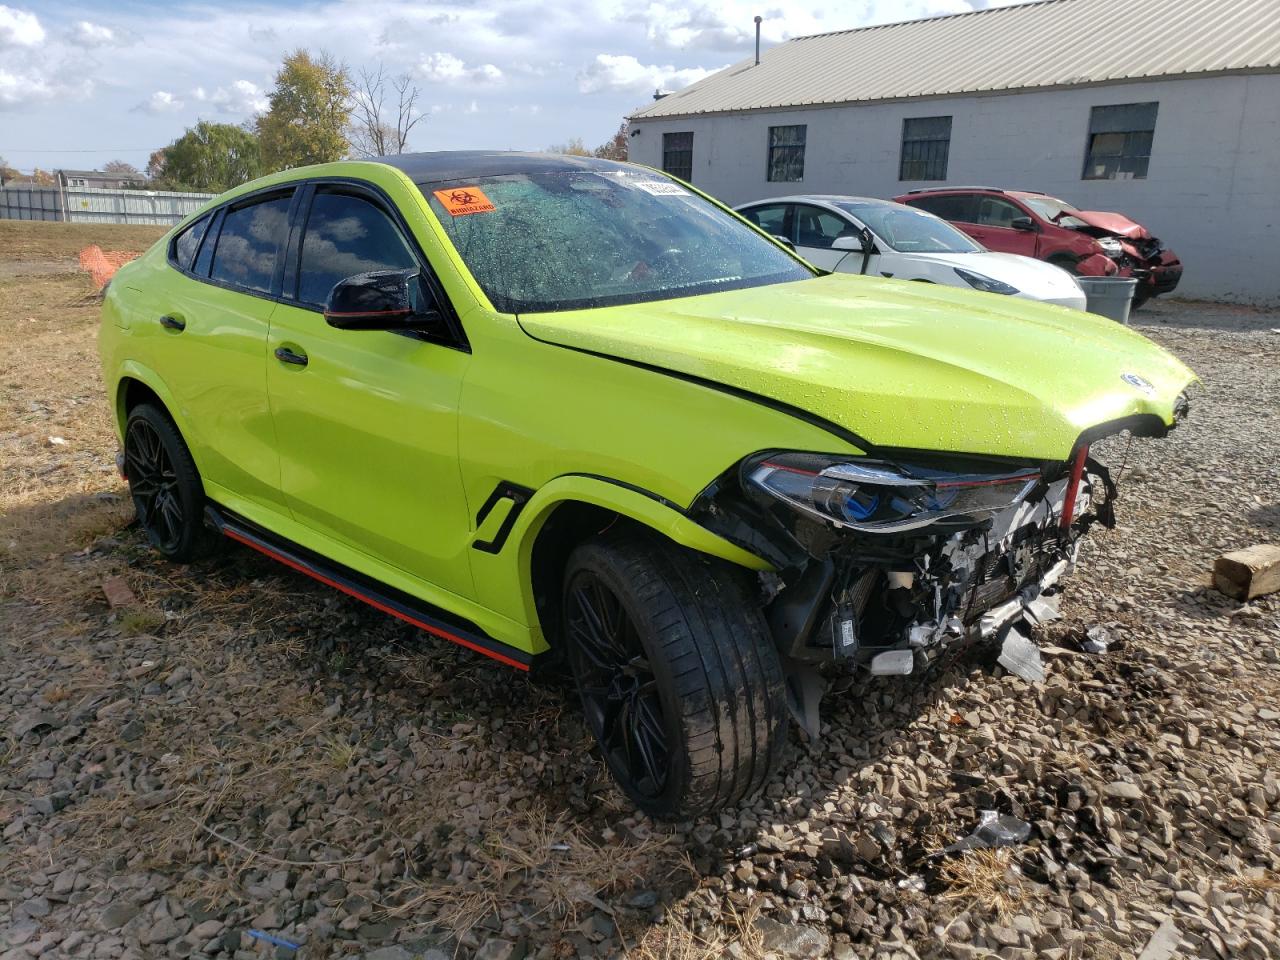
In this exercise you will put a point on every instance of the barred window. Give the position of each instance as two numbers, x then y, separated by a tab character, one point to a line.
1120	138
677	155
786	153
926	142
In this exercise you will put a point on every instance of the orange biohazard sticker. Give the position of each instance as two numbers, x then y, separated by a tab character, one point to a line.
460	201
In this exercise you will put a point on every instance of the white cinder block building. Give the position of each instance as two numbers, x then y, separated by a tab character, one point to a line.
1165	110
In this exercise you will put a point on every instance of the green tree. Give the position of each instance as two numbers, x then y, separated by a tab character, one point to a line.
615	148
309	113
209	157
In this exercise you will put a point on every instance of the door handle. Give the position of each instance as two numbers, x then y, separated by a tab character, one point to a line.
285	355
173	323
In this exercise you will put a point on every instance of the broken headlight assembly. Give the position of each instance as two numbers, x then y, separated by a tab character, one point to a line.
873	496
983	283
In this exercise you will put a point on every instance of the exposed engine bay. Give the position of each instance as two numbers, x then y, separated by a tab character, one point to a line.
912	563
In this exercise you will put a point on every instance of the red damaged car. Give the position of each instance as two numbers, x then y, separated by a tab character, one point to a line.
1088	243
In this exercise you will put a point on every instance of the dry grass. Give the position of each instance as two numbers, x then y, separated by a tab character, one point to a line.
1257	882
140	620
736	936
53	496
27	240
565	870
984	881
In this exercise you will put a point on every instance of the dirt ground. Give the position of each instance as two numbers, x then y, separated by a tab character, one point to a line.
239	762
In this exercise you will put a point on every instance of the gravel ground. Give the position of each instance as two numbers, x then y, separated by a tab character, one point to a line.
238	754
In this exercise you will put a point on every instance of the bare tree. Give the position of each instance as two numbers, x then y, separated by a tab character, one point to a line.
121	168
379	128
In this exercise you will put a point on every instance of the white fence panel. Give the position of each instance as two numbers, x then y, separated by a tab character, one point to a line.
30	203
94	205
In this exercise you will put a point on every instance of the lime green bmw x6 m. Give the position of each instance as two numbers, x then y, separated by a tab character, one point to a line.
557	406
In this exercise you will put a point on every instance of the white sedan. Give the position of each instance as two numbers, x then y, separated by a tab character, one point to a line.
886	239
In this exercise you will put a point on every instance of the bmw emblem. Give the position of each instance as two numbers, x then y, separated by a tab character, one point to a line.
1141	383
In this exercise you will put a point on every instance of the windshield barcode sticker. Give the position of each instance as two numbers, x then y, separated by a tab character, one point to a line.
661	188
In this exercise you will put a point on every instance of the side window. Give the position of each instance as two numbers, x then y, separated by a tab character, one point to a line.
771	219
950	206
816	227
994	212
188	242
250	242
347	235
786	154
204	259
1120	138
677	155
926	141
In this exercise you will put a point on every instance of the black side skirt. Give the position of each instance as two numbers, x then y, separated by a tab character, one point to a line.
388	599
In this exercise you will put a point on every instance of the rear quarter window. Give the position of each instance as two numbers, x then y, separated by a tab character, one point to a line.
187	243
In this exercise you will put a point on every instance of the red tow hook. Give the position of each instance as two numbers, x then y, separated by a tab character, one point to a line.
1073	485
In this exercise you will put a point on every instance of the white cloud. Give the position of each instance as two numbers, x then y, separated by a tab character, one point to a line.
448	69
162	101
53	75
19	28
616	73
242	97
17	89
86	34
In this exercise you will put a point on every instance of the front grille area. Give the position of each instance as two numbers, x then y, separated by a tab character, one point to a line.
1000	575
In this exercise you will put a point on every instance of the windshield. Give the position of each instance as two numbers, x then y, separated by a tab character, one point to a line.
1048	207
570	239
911	231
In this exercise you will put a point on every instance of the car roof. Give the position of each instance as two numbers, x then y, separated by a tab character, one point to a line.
441	165
827	198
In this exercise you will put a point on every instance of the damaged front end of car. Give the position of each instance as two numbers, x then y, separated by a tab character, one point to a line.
890	561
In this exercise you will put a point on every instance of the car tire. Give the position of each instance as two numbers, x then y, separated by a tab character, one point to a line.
1139	298
167	492
1068	264
679	678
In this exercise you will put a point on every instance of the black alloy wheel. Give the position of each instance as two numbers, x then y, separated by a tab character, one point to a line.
618	687
153	484
679	678
165	485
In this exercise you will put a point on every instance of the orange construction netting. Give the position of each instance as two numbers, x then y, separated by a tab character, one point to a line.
102	264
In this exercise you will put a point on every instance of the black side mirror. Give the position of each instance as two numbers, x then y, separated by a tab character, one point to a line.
1023	223
785	241
381	300
867	240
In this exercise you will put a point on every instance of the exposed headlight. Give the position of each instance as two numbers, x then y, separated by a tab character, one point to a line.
1110	246
985	284
877	497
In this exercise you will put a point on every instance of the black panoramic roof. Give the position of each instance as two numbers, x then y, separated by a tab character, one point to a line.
445	165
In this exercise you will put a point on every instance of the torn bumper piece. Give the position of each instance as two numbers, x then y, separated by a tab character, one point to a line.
984	583
993	582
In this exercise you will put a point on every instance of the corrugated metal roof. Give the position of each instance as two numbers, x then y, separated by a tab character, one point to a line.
1046	44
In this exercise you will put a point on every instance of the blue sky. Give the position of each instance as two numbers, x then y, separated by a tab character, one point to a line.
81	84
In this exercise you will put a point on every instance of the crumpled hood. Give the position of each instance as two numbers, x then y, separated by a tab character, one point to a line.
1116	223
899	364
